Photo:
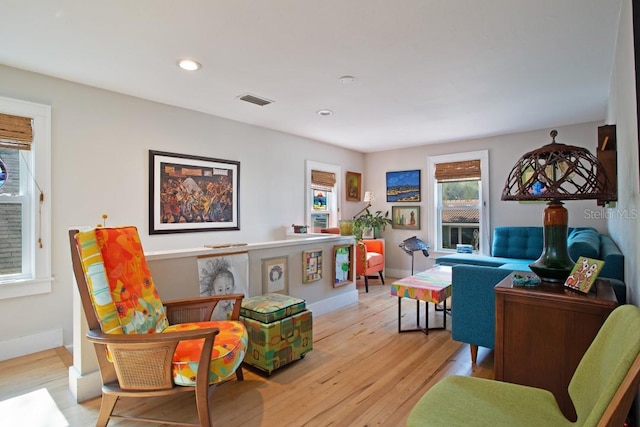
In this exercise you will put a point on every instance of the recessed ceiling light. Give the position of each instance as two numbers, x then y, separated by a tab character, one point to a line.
324	112
347	79
189	64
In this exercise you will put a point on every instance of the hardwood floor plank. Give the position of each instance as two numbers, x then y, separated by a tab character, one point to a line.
361	372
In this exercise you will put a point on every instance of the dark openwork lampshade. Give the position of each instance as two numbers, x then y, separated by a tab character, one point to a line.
556	172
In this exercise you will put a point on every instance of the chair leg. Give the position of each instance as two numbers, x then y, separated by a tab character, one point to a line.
203	394
381	276
474	352
239	373
107	404
366	283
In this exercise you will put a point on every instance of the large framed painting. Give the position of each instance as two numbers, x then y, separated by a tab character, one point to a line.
403	186
342	265
192	193
224	274
354	186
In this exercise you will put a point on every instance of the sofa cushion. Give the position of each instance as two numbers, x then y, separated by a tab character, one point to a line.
516	266
472	259
517	242
583	242
374	258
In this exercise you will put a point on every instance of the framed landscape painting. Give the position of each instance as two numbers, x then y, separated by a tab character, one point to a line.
403	186
192	193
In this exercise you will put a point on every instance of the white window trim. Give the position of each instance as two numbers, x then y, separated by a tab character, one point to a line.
308	197
483	156
40	257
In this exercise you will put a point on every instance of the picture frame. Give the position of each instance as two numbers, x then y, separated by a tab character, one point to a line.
311	265
275	275
192	193
405	217
223	274
403	186
584	274
353	183
342	265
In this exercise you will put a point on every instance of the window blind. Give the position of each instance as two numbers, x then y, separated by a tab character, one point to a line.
15	132
468	170
323	180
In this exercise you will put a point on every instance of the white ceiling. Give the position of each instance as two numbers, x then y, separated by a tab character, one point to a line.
426	71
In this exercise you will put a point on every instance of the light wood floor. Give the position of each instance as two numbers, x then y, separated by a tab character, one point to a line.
361	372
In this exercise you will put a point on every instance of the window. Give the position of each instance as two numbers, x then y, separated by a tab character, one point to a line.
25	253
322	197
458	210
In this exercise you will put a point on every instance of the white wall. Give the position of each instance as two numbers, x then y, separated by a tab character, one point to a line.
100	143
622	111
504	151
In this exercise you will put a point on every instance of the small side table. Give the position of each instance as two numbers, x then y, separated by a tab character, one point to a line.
432	285
543	331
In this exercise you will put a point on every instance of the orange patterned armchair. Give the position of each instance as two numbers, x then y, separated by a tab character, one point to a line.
370	259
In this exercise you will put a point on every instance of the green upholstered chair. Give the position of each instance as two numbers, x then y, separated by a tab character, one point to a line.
602	388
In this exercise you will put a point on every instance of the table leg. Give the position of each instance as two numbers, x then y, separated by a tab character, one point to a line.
425	329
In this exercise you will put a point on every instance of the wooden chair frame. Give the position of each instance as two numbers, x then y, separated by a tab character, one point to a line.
152	375
616	412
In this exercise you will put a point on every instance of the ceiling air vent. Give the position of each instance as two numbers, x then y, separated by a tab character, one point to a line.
255	100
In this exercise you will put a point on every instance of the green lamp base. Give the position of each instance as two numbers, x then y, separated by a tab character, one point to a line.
551	274
555	264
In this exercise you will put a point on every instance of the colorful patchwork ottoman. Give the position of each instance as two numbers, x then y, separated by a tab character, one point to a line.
279	328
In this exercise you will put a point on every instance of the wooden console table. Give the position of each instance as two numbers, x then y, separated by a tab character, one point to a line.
543	331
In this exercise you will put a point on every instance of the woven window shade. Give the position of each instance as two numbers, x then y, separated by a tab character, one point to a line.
325	180
468	170
15	132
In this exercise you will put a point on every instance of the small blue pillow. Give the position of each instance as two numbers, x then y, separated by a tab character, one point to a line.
584	242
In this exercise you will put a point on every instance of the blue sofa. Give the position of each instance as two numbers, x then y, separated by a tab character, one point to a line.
513	249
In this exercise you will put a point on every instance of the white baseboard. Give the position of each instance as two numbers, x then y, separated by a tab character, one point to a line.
84	387
330	304
22	346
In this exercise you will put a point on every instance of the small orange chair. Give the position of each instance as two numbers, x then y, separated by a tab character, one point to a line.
370	259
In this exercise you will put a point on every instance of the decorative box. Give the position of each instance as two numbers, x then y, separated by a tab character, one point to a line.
280	330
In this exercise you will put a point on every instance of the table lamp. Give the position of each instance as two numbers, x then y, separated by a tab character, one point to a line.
369	197
553	173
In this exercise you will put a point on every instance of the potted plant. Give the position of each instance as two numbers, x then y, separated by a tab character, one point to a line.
370	221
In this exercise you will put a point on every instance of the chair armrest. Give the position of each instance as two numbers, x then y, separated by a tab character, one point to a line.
474	303
199	309
99	337
144	361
